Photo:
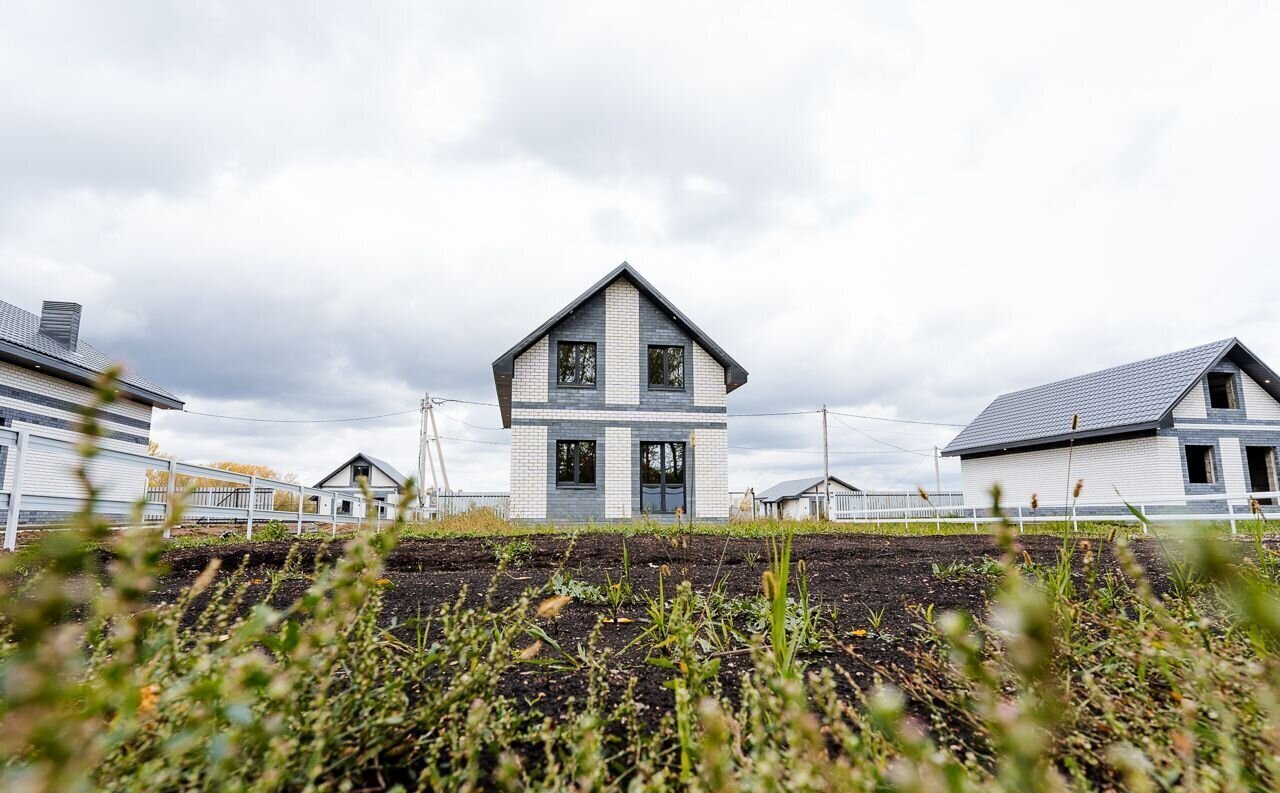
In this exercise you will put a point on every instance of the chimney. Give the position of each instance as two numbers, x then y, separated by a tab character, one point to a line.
61	322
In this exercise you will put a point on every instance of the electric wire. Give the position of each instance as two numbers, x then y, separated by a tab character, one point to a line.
298	421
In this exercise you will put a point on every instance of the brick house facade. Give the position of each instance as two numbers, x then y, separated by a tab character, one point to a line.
616	407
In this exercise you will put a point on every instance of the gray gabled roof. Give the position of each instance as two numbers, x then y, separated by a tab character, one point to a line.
504	366
794	487
1135	397
382	466
22	343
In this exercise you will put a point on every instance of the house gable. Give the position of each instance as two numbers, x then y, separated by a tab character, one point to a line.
654	313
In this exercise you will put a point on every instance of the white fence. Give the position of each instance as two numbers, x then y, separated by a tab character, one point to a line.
19	441
1217	508
238	497
446	504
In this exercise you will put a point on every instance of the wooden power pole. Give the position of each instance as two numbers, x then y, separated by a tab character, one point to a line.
431	413
826	467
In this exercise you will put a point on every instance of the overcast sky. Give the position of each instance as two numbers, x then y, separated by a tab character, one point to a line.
899	209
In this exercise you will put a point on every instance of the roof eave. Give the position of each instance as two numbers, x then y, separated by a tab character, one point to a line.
22	356
1053	440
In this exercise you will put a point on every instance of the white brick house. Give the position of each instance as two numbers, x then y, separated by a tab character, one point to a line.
1196	422
616	407
47	373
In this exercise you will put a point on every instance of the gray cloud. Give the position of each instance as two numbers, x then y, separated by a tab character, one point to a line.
324	210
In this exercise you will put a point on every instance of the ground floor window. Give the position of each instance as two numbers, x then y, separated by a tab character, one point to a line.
1262	471
575	463
1200	465
662	486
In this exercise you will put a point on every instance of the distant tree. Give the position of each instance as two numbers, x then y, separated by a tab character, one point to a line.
283	500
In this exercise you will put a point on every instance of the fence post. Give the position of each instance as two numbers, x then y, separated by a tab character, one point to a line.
333	514
1142	508
253	493
15	493
1022	528
1231	510
975	519
300	496
168	509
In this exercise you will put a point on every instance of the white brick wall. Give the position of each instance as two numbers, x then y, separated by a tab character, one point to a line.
617	472
708	379
621	344
711	473
1192	405
1258	404
631	416
528	472
532	374
1141	468
1232	462
50	473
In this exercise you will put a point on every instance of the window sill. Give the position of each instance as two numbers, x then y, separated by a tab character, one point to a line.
571	486
666	388
580	386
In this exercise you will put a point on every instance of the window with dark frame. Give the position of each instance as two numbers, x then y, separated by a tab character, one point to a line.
1200	469
1222	391
666	367
358	471
662	486
575	463
576	363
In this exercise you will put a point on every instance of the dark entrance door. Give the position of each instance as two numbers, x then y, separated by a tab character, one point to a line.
1262	471
662	477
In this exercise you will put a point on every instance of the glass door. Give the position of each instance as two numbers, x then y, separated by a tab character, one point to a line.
662	485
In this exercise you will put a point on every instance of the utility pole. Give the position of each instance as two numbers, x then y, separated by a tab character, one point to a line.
424	455
937	475
826	466
431	413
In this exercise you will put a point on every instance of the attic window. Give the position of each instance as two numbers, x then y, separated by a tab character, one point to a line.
1200	465
358	471
576	363
1222	391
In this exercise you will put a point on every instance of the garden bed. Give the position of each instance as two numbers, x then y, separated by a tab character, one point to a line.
866	589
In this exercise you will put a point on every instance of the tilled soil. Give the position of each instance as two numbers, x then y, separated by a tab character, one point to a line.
855	575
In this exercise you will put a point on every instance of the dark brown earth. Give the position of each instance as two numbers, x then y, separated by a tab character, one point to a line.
855	575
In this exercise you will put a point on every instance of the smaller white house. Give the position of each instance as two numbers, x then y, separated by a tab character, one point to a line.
801	499
384	481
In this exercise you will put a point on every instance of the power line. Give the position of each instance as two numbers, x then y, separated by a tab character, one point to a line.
785	413
872	438
897	421
819	451
473	440
468	424
298	421
442	400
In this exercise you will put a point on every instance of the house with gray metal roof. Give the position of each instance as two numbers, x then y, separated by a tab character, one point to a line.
47	376
801	499
1200	421
616	406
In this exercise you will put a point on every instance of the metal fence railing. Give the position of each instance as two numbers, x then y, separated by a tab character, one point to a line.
1216	507
330	508
447	504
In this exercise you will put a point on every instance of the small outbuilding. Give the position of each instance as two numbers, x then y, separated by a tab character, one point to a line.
801	499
